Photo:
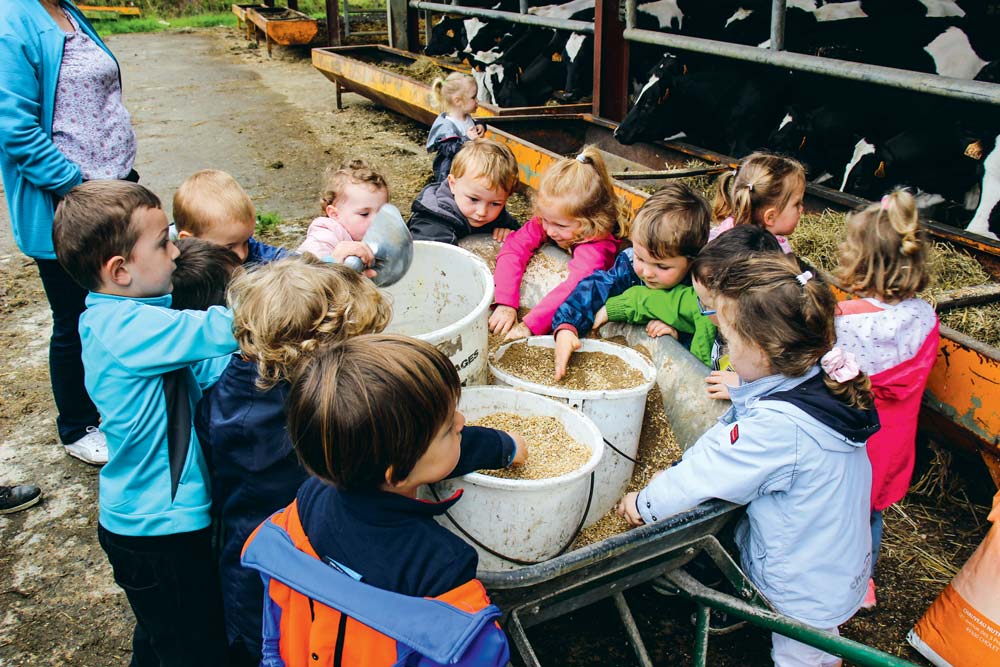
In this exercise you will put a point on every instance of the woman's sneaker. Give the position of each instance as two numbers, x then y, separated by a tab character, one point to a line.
16	498
91	448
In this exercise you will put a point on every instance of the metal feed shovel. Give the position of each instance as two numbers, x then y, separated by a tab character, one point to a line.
391	243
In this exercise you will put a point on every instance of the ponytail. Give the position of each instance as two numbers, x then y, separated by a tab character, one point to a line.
762	181
443	90
583	188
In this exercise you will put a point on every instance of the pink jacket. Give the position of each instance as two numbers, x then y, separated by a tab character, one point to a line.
588	256
729	223
323	236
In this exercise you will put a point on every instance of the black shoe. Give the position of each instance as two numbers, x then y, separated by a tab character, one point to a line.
16	498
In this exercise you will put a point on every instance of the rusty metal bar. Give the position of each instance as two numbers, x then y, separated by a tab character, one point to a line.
777	25
333	22
512	17
667	173
611	62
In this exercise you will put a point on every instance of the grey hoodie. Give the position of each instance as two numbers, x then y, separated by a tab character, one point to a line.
436	217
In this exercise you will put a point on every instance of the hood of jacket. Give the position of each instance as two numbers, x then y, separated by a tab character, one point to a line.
814	398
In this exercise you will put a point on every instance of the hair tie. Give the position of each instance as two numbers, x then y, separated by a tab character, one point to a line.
750	187
581	158
734	172
885	202
804	277
840	365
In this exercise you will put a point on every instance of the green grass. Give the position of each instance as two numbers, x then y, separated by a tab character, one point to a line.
155	23
268	220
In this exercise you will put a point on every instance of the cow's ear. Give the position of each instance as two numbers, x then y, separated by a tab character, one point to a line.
974	150
880	171
684	70
557	57
450	33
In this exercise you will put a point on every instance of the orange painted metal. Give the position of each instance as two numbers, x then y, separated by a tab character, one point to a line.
297	28
121	11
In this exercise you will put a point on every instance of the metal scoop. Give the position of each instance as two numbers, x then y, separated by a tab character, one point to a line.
391	243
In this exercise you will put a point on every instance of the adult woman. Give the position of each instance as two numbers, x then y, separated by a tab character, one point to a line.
62	121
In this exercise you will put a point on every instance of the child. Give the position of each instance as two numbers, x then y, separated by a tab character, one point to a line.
201	274
894	335
792	448
764	190
146	366
241	419
472	199
738	243
211	205
669	231
373	419
577	209
354	193
454	126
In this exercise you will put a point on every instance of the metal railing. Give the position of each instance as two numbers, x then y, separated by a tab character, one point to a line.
512	17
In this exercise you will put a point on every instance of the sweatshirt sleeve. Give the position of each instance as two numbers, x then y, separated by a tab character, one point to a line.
483	449
587	258
442	130
578	310
323	236
677	306
512	259
425	226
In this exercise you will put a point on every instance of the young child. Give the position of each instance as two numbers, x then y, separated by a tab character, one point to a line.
472	200
894	335
373	419
456	94
211	205
669	231
764	190
201	274
792	448
577	209
353	195
738	243
146	366
241	419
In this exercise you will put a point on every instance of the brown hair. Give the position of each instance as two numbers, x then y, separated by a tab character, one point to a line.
202	274
211	197
444	90
761	181
93	223
369	404
673	222
488	160
358	172
331	302
738	243
583	189
789	318
885	252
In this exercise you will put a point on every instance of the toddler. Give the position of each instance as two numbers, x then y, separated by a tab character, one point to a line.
669	231
241	419
764	190
202	274
894	335
472	200
456	94
372	419
211	205
577	209
792	448
354	193
146	366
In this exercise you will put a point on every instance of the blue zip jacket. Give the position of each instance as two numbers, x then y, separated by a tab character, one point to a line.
578	310
259	252
33	169
795	454
145	367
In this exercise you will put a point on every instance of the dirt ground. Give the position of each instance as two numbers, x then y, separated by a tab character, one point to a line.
204	99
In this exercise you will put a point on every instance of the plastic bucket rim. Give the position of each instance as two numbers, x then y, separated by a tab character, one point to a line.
477	310
648	372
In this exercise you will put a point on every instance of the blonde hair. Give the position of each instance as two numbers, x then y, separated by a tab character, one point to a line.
788	317
331	303
488	160
443	91
673	222
582	188
208	198
761	181
357	172
885	252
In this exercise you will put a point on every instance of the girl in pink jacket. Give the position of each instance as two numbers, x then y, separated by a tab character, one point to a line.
576	208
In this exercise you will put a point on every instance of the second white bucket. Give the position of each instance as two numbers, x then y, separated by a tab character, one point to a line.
443	299
618	414
528	520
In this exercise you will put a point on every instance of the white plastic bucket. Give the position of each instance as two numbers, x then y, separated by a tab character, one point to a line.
443	299
526	520
618	414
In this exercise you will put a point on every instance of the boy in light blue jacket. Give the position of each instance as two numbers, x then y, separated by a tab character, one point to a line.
146	366
792	448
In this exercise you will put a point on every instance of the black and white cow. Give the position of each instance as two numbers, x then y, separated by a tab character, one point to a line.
986	220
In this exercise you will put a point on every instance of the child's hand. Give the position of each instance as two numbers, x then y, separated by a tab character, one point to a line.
475	131
718	382
517	332
346	249
501	233
567	343
502	319
627	510
521	449
600	318
656	328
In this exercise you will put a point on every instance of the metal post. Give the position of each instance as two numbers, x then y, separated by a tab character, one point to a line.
428	26
777	25
512	17
610	62
396	23
347	19
333	22
522	7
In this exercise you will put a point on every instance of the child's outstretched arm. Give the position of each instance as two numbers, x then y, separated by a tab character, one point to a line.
511	262
488	449
577	311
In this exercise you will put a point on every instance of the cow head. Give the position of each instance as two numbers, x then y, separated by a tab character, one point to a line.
645	120
447	37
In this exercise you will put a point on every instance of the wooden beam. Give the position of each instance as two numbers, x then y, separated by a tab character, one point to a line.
668	173
968	296
333	22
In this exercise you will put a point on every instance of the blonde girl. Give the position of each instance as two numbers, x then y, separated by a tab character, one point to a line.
764	190
577	209
894	335
791	448
455	95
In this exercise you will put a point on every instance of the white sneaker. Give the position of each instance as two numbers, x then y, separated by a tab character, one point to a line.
91	448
